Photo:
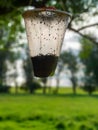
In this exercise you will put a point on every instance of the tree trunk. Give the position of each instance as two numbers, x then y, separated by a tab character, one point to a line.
49	89
74	84
74	89
44	80
57	85
44	89
16	88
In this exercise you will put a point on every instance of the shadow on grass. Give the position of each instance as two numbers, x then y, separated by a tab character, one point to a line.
37	117
67	95
51	95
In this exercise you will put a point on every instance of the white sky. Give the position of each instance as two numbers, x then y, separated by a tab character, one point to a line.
71	41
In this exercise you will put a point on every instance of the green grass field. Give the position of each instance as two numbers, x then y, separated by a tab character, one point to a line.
49	112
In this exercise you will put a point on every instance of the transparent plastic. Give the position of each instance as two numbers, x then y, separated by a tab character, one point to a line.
45	30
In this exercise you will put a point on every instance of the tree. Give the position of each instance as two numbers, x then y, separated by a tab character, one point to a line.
10	19
78	8
32	87
8	43
44	81
28	73
89	84
69	60
3	54
89	58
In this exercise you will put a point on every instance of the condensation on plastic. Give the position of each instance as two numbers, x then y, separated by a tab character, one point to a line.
45	31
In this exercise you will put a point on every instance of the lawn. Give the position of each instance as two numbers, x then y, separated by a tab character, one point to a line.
48	112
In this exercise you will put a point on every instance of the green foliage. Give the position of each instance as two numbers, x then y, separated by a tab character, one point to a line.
69	60
5	3
90	89
4	89
86	48
75	7
33	86
89	58
9	27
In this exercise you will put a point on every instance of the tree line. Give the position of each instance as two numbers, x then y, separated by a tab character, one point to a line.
13	48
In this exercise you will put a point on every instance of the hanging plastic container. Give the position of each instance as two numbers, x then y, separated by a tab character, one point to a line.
45	30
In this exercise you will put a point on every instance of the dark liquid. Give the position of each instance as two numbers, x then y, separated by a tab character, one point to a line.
44	65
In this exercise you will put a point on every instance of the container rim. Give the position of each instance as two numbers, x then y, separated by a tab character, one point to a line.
46	9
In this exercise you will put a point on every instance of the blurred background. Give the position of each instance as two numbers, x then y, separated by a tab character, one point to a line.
67	100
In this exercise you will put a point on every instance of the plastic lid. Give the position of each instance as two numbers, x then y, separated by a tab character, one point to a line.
28	13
